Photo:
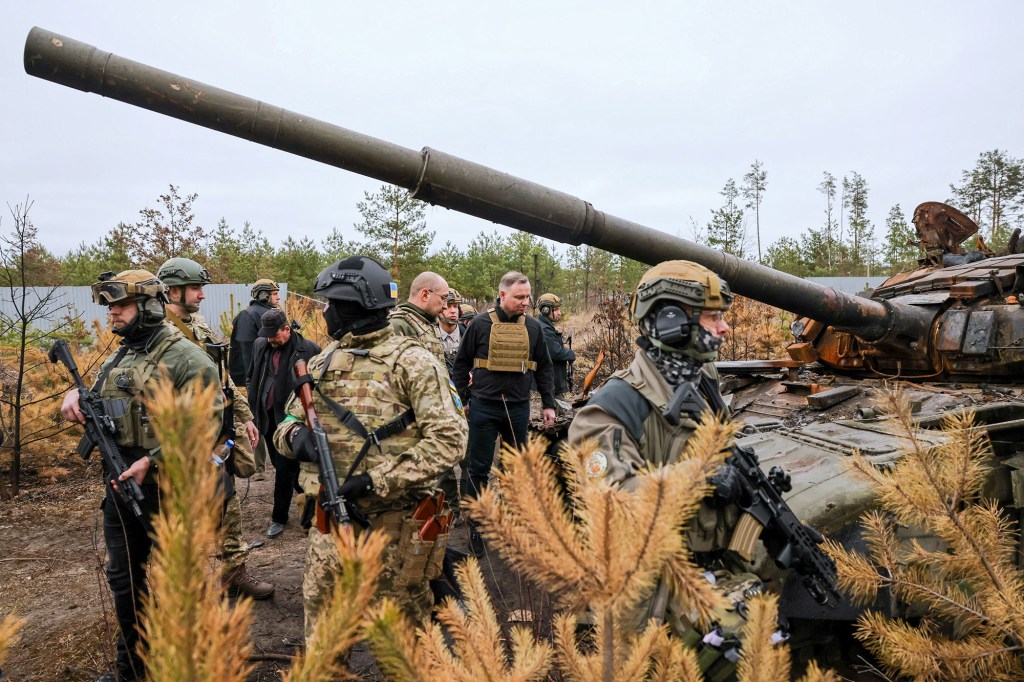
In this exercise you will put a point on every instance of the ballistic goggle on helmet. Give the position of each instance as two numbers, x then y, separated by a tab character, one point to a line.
126	286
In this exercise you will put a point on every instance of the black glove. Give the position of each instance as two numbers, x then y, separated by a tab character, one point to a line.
301	439
572	355
726	483
358	486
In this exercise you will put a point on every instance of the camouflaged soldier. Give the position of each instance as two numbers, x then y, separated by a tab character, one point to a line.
400	394
148	348
644	415
185	279
417	317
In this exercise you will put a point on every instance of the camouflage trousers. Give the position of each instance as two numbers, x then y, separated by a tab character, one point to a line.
233	550
322	565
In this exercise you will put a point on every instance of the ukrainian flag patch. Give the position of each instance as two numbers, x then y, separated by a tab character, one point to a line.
455	397
394	290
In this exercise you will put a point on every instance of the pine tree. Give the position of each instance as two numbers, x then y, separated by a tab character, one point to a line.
992	193
827	235
754	184
862	233
900	248
395	231
726	231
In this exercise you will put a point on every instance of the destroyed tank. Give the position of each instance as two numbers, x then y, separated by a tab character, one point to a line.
951	329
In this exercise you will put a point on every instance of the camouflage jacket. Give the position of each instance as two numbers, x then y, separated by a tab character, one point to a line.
200	333
378	376
408	320
632	434
139	370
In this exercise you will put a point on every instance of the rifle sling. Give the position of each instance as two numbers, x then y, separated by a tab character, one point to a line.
352	423
98	386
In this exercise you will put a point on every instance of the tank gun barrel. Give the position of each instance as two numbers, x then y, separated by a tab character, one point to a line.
445	180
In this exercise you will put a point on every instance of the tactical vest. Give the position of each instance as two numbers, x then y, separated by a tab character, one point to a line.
508	349
423	331
361	380
134	429
634	403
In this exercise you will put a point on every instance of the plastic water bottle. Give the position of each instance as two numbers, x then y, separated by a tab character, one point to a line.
221	454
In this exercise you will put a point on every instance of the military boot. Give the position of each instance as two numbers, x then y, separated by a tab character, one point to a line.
239	581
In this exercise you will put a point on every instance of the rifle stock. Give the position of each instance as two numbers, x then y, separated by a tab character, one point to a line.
100	414
331	504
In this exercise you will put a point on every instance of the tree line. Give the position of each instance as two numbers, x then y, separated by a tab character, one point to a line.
393	229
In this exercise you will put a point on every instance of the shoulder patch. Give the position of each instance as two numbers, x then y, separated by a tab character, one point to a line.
596	464
455	397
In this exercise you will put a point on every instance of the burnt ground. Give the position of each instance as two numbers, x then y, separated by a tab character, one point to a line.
51	574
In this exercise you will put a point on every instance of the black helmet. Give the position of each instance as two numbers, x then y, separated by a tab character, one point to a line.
360	280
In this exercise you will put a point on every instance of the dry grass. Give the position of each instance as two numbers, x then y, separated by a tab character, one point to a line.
194	633
9	628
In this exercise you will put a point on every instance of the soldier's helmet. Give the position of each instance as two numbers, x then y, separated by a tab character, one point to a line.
360	280
262	289
659	300
140	286
177	272
466	312
547	303
454	297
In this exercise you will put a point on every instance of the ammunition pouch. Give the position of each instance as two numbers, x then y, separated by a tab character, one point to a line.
416	560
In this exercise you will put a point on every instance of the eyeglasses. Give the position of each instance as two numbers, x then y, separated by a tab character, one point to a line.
443	297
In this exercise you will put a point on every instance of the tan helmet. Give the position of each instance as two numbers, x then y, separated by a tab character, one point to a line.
466	312
681	281
141	286
262	289
454	296
547	303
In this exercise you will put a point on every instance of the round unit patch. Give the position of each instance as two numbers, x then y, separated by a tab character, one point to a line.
596	464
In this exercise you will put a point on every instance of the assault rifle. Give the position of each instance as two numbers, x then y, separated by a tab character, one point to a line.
789	542
100	430
332	504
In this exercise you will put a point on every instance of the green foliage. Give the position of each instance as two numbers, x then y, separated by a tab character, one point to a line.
992	193
785	254
861	234
395	231
726	231
755	182
900	249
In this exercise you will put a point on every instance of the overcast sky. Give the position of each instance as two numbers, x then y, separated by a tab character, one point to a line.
644	109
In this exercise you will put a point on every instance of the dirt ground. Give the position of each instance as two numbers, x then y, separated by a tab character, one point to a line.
51	574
